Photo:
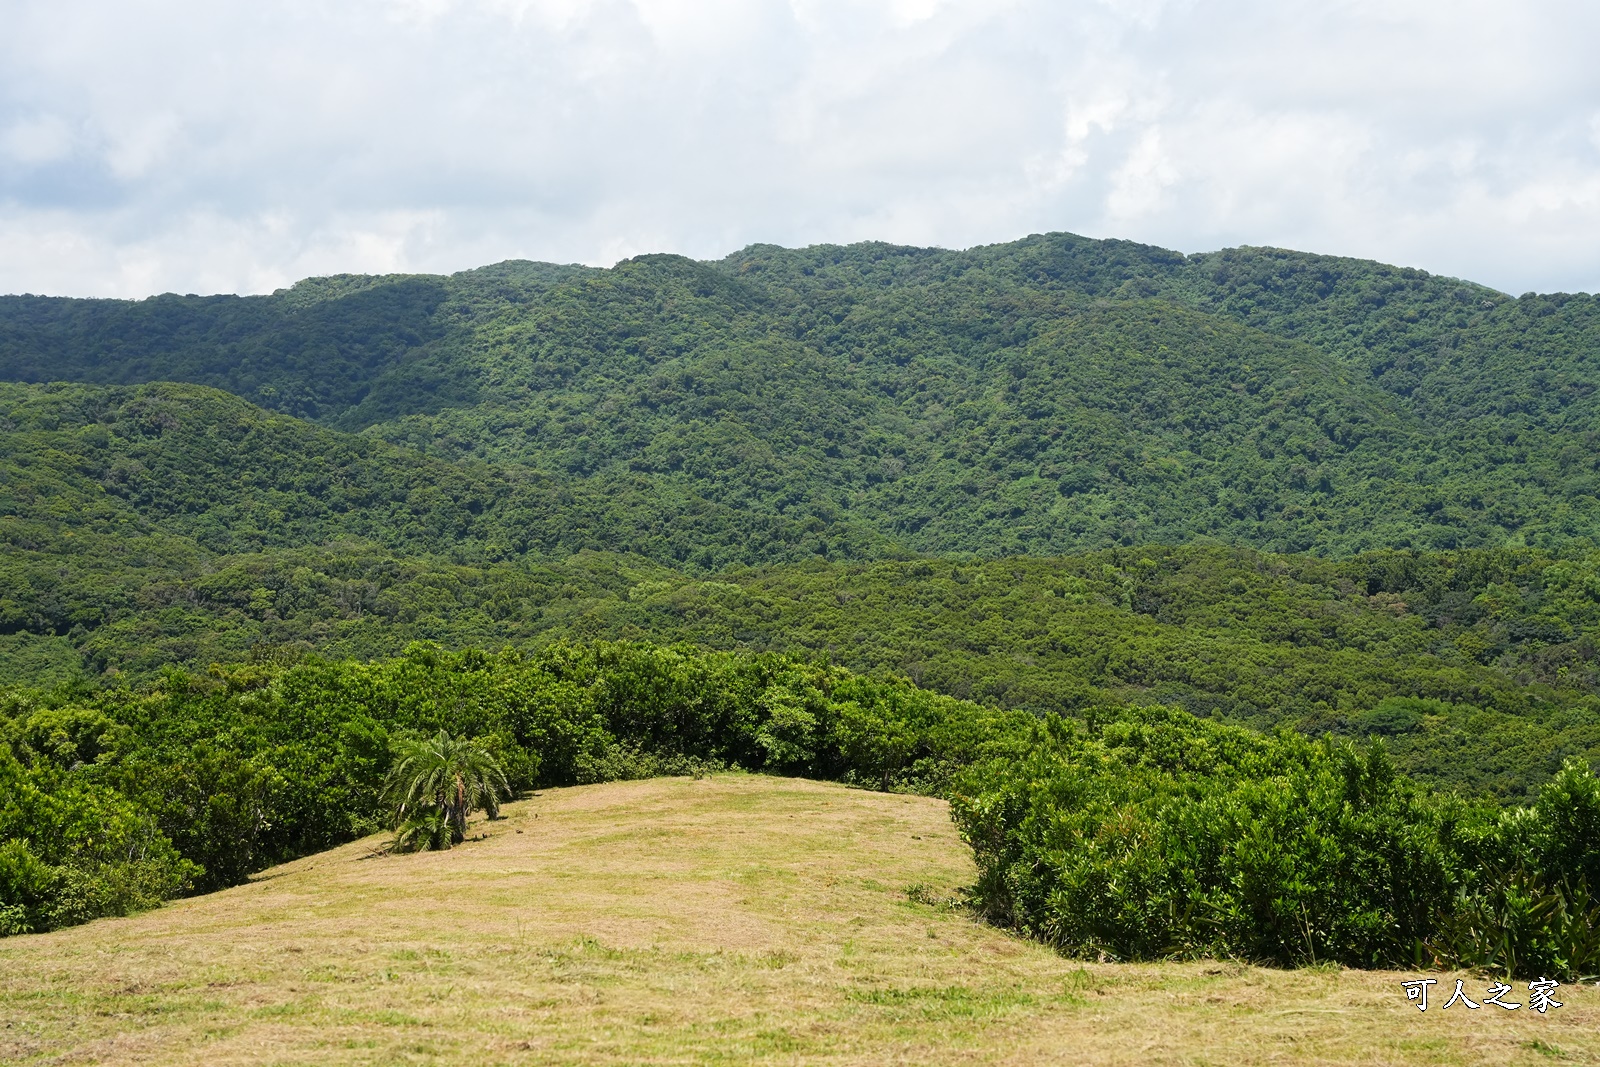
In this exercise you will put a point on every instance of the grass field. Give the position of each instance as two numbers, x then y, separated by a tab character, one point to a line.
734	919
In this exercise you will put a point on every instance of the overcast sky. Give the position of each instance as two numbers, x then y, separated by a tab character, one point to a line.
214	146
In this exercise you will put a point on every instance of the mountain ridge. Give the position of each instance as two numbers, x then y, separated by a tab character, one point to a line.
1040	396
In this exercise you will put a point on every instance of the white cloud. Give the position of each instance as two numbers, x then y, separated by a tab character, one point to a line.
1139	185
35	140
205	146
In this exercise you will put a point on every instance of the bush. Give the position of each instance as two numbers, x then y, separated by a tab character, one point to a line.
1155	834
1526	904
437	782
71	851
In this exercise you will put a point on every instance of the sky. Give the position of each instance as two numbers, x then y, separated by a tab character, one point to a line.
213	146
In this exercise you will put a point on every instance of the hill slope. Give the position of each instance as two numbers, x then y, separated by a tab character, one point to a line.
204	467
733	919
1479	669
1039	396
163	524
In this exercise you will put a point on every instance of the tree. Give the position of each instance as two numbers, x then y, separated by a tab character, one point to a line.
435	783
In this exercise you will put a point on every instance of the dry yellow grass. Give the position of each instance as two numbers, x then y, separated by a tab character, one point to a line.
730	920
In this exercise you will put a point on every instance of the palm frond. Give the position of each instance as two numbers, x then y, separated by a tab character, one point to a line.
448	775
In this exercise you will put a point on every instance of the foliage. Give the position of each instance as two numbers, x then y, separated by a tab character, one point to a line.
313	351
434	783
1132	832
427	829
1518	923
1042	396
72	850
1152	834
1477	667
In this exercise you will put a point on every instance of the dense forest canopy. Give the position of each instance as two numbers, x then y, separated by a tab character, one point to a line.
718	452
1043	396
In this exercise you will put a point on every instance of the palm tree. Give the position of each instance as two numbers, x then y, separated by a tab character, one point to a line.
424	831
434	783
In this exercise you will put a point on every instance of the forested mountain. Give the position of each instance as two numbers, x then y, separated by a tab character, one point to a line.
1042	396
1052	395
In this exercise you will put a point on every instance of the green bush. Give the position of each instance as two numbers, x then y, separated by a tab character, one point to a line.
441	776
72	850
1154	834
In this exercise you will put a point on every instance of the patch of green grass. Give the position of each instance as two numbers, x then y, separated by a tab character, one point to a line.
920	893
778	959
945	1001
1544	1048
288	1009
1077	985
381	1017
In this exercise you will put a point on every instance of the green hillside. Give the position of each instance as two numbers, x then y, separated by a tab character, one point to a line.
759	452
206	467
1042	396
1478	669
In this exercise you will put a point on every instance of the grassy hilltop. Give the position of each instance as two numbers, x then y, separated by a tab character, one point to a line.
726	920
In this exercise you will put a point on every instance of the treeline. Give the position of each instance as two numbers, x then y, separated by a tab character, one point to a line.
1478	667
1136	832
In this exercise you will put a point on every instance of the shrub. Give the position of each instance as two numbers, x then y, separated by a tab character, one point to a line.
435	783
71	851
1155	834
